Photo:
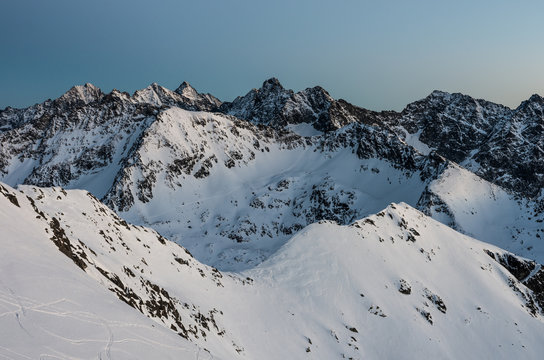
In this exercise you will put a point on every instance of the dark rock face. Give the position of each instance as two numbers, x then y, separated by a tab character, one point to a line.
501	145
77	97
404	287
260	106
524	272
192	100
452	124
536	284
513	155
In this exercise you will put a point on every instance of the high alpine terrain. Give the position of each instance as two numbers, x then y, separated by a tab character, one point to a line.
279	225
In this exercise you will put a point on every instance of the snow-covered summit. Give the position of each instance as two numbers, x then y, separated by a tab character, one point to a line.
185	97
196	100
187	90
80	95
155	95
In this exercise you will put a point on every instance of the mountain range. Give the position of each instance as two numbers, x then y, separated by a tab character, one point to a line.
279	225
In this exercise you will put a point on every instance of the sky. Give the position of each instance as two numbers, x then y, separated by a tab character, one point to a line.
380	55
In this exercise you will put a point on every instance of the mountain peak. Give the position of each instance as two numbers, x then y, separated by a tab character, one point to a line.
318	90
90	86
82	93
536	98
151	88
439	94
185	89
272	84
531	111
185	85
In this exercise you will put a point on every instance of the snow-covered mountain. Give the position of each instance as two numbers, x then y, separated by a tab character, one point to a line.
233	192
237	189
80	139
307	112
332	291
138	154
276	193
501	145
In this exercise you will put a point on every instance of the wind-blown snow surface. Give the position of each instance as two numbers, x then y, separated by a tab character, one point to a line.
394	285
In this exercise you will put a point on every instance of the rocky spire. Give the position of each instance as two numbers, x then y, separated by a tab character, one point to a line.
81	94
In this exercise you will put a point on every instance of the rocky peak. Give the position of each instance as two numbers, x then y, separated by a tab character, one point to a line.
272	84
309	106
439	94
261	106
121	95
155	95
185	97
531	109
317	93
441	99
81	95
153	87
280	108
271	90
186	90
536	98
193	100
453	124
501	145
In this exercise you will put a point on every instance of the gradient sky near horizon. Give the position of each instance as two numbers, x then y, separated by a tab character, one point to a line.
376	54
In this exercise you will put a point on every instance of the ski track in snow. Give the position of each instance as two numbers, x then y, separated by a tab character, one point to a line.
54	309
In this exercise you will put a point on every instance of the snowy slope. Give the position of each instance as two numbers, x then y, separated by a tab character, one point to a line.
399	285
49	308
232	192
393	285
468	203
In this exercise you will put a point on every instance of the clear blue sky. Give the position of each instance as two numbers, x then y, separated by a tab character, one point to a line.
376	54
